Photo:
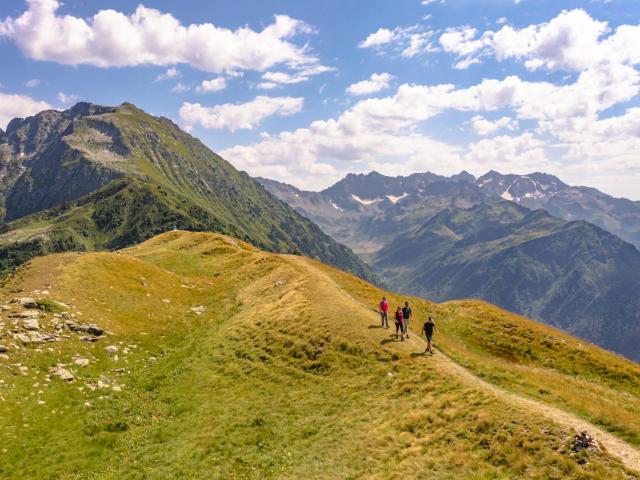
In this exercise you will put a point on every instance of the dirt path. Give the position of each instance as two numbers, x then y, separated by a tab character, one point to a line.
618	448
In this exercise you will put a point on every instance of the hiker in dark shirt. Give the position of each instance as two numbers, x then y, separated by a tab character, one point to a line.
399	323
406	316
428	329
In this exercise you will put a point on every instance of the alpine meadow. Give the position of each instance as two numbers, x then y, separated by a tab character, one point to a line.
320	240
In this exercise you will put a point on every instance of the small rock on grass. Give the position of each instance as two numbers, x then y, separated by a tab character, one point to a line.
26	314
31	324
81	361
62	373
27	302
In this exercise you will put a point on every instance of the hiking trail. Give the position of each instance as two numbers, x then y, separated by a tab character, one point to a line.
325	287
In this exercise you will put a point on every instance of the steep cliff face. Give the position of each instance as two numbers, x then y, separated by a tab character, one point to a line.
39	169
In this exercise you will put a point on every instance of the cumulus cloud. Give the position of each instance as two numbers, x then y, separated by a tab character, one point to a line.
213	85
267	85
408	42
379	37
482	126
18	106
150	37
384	133
377	82
34	82
67	99
371	134
238	116
273	79
519	154
171	72
572	41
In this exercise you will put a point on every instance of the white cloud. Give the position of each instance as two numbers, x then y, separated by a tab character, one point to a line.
377	82
238	116
283	77
213	85
419	43
299	76
171	72
482	126
18	106
462	41
465	63
385	131
572	41
408	42
34	82
379	37
147	36
180	88
66	99
267	85
371	134
518	154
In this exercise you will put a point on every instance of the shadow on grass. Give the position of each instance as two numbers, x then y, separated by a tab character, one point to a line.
419	354
374	326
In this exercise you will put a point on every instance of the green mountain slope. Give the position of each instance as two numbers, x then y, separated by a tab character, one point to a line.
222	361
99	177
573	275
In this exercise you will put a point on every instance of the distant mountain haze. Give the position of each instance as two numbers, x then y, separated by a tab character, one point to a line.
489	238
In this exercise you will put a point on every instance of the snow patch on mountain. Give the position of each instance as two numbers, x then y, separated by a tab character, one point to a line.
507	196
394	199
365	201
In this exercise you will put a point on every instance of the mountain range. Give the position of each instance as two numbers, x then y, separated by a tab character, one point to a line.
461	237
96	177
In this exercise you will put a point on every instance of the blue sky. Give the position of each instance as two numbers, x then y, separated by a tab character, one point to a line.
305	92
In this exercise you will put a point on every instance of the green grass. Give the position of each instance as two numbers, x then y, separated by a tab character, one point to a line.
280	377
530	358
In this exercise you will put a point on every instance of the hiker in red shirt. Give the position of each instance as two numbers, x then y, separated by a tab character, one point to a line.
384	312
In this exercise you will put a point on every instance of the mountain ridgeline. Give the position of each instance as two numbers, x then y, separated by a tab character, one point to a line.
95	177
457	237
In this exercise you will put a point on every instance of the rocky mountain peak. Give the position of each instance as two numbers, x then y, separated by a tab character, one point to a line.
463	176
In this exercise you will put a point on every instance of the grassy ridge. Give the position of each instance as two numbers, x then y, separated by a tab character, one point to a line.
280	377
529	358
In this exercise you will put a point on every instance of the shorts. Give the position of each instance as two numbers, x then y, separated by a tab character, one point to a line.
429	337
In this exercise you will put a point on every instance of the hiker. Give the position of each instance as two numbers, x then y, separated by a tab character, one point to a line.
428	328
384	312
406	316
399	323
